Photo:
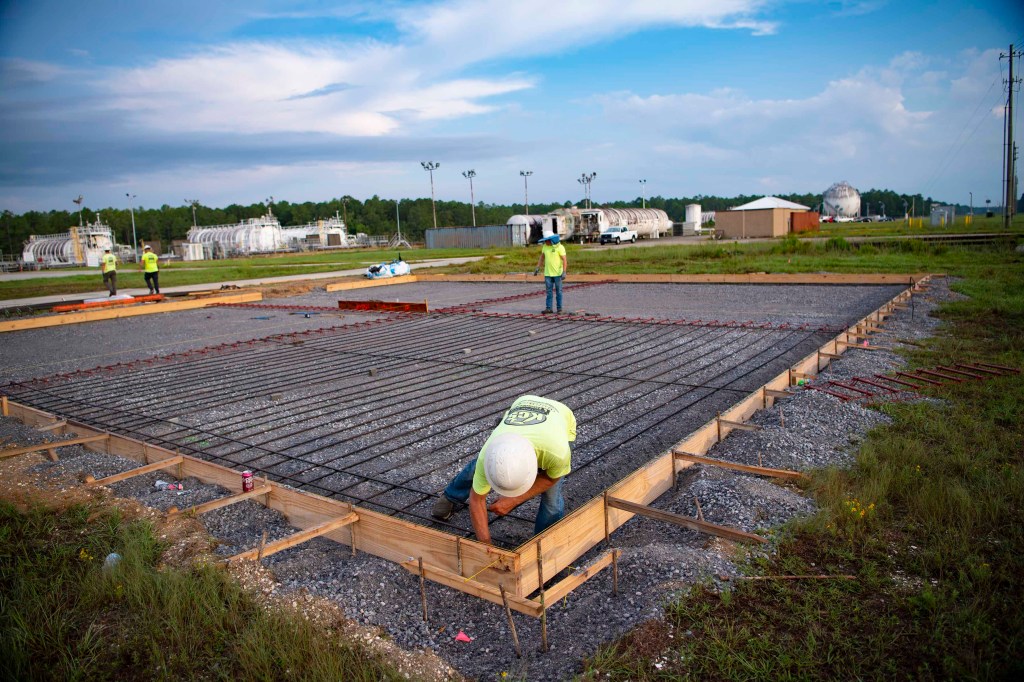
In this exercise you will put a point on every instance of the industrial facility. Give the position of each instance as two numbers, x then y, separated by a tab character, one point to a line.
264	235
83	245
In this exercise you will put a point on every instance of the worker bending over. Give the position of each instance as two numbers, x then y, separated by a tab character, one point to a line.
526	455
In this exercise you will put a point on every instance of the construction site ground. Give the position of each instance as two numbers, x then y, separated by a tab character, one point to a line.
382	409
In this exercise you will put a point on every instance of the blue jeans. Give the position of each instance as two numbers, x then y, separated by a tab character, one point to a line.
554	283
552	504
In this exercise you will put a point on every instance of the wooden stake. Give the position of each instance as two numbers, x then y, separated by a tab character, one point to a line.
607	534
615	572
423	590
3	406
782	418
511	623
700	512
760	462
543	606
263	545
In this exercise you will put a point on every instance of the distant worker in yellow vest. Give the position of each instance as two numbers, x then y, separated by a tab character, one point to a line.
555	264
108	266
150	270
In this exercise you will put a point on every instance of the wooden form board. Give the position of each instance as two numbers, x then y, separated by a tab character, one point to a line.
467	565
386	306
115	313
366	283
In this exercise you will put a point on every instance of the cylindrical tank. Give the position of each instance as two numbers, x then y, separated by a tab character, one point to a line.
49	251
693	213
841	200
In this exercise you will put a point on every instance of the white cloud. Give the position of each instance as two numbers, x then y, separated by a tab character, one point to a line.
372	88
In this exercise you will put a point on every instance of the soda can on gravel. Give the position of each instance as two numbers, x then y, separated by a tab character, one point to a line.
247	482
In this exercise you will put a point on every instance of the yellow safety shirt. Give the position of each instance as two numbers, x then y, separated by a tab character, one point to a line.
109	262
149	261
552	259
548	424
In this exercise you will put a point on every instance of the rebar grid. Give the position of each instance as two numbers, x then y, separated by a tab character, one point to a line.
387	425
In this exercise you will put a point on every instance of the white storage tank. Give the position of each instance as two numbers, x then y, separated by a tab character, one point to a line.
841	201
693	213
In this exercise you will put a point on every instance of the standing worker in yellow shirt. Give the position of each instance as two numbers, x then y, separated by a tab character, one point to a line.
108	266
150	270
555	264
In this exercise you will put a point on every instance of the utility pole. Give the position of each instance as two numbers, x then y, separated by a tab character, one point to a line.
643	186
430	167
526	194
470	174
1009	200
344	211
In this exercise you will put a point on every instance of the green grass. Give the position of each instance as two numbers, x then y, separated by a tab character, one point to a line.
64	617
217	271
928	520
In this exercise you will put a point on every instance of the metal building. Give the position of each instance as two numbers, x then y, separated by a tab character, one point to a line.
482	237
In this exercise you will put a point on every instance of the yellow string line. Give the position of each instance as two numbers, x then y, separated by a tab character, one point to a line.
465	580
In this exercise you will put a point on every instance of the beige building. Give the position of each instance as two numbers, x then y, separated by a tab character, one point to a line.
765	217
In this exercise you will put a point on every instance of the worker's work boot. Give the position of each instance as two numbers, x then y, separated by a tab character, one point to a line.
443	509
546	311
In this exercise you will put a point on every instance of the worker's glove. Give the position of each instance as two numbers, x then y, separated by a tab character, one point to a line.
536	271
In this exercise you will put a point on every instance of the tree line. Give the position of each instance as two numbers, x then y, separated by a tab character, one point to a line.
377	216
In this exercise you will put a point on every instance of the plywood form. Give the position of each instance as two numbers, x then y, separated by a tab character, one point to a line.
112	314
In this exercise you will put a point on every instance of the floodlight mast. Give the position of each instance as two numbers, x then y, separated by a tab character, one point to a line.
131	207
470	174
430	167
526	194
193	203
79	202
643	187
585	180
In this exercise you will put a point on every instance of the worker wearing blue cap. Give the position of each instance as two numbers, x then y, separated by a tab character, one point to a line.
553	260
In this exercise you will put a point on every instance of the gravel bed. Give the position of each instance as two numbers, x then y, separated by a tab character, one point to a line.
657	560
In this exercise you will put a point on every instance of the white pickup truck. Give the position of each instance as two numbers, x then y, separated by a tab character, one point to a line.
618	234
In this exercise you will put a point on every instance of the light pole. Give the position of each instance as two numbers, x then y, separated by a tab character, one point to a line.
430	167
193	203
585	180
270	206
972	203
643	186
344	212
79	202
526	194
131	207
10	246
904	209
398	220
470	174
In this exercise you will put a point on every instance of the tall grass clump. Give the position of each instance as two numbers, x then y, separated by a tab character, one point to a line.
64	615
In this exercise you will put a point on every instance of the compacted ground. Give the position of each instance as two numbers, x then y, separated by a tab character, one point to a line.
625	399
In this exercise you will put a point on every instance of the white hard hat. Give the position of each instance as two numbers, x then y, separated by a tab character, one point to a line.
510	464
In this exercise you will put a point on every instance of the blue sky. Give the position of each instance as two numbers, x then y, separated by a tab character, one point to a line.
232	102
